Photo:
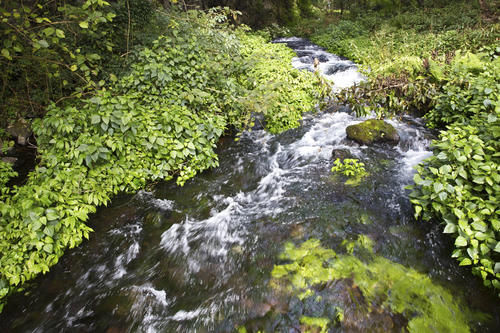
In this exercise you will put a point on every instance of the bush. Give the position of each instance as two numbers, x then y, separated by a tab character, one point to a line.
459	185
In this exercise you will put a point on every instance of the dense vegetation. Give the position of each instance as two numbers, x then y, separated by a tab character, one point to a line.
161	119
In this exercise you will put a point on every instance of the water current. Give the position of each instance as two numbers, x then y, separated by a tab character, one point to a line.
199	258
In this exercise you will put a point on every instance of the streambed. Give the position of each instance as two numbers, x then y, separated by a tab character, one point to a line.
203	258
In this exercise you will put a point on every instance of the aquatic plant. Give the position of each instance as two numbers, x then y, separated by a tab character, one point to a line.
350	167
382	283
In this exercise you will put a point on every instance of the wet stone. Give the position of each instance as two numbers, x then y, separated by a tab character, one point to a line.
302	54
297	231
337	68
9	160
322	58
21	130
341	154
306	60
372	131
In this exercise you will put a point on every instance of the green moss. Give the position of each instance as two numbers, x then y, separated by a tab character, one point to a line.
312	323
383	284
363	243
372	130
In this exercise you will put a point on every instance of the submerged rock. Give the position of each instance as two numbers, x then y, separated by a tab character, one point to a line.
341	154
373	294
371	131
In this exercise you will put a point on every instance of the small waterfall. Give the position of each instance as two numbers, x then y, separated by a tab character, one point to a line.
342	72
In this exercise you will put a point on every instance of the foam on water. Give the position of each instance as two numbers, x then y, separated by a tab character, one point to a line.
342	73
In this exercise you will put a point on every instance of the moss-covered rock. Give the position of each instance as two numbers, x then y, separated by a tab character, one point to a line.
371	131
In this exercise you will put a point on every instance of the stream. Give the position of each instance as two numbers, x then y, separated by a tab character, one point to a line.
199	258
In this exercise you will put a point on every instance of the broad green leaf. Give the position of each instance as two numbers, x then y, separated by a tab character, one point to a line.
460	241
48	248
43	43
6	54
465	262
450	228
60	33
95	119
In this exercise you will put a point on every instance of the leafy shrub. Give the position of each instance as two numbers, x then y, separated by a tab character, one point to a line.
349	167
161	120
283	93
6	173
460	186
49	50
460	183
470	89
336	38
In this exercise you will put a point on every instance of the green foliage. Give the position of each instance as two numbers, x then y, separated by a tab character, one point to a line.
383	284
280	93
349	167
6	173
161	120
459	185
48	50
470	88
64	49
401	54
388	45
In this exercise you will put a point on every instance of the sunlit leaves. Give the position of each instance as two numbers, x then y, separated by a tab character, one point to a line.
461	183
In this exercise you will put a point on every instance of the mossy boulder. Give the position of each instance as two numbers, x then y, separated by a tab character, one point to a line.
372	131
21	130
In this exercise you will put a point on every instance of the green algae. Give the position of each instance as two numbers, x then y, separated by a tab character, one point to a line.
383	284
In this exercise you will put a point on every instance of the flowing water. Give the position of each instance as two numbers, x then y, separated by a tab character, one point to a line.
199	258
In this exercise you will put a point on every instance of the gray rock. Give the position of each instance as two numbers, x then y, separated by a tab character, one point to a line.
11	160
341	154
21	130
